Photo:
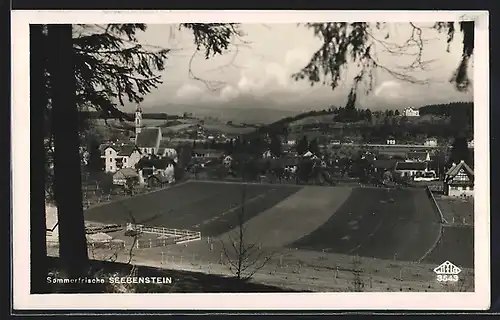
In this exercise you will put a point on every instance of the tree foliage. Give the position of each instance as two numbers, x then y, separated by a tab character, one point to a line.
103	65
111	66
359	43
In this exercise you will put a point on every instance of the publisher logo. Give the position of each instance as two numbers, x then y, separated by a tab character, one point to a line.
447	272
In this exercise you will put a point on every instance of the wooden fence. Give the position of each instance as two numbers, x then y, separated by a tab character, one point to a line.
166	236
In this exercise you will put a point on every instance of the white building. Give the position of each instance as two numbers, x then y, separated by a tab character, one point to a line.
410	112
470	144
267	154
431	142
459	180
150	166
228	160
168	152
117	157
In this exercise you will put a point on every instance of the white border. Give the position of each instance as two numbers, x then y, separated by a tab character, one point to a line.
276	301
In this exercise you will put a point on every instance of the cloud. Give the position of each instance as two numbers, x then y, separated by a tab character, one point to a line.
229	93
391	89
188	91
262	78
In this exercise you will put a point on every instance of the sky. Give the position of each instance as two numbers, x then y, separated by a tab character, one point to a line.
257	70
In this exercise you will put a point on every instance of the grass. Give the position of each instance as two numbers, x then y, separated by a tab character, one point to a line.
182	281
379	223
456	245
207	207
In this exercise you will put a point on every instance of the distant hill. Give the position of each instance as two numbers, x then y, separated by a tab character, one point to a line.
446	109
435	115
427	113
131	116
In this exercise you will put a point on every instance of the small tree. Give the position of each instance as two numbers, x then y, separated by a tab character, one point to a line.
313	146
275	146
357	284
302	145
244	258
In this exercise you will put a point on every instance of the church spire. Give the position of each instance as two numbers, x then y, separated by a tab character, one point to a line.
138	121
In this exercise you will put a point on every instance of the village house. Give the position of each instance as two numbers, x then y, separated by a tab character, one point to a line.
459	180
166	150
417	156
470	144
207	153
227	161
268	155
125	175
157	181
289	164
151	165
431	142
410	112
410	169
310	155
391	141
121	156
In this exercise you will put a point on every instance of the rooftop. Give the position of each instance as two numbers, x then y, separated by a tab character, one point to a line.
411	166
148	137
454	170
155	163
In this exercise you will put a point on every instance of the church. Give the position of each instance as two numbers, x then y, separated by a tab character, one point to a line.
148	143
149	140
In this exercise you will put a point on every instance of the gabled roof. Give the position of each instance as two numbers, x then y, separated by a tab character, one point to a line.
418	155
411	166
125	173
454	170
384	164
126	150
154	163
159	177
148	138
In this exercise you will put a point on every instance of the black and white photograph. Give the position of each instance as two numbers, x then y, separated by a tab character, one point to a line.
291	156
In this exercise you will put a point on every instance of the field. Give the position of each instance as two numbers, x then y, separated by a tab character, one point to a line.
455	245
209	208
313	228
374	222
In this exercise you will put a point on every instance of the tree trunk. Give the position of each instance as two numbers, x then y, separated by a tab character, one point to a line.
38	104
67	170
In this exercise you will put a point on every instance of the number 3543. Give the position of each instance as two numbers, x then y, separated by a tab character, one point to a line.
447	277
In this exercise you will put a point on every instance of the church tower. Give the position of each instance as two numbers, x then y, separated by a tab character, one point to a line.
138	121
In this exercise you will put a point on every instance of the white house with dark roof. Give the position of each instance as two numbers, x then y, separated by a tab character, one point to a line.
431	142
152	166
122	176
459	180
470	144
167	150
121	156
410	112
418	156
411	169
